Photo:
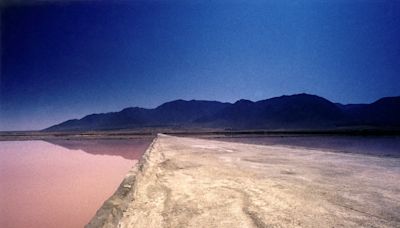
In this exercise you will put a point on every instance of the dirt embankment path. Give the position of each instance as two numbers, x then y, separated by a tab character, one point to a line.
184	182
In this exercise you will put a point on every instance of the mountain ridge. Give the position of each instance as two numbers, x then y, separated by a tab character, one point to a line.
298	111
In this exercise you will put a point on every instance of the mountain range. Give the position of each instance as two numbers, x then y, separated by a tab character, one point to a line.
299	111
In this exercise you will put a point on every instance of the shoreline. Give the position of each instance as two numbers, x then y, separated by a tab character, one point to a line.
126	134
110	213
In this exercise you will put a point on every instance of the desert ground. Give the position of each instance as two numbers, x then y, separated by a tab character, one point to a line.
188	182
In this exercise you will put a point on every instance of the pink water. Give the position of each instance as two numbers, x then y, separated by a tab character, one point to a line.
63	183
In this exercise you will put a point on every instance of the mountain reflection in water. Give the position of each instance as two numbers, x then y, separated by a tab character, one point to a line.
131	149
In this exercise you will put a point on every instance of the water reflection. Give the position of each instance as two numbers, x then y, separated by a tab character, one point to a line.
46	185
127	148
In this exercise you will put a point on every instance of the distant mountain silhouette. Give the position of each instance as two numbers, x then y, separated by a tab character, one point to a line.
296	111
383	112
300	111
177	113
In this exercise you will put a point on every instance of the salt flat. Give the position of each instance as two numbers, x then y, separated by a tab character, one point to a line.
186	182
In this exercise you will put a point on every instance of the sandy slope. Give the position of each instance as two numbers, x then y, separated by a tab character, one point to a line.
183	182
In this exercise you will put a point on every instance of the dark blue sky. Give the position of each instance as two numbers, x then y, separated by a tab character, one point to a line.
62	61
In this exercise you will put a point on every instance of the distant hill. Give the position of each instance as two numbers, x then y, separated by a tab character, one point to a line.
300	111
383	112
296	111
177	113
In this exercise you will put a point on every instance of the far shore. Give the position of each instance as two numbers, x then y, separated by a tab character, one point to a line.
152	132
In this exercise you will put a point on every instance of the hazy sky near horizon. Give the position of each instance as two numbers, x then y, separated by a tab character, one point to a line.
66	60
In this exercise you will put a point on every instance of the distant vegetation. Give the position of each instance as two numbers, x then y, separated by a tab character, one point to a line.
301	111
